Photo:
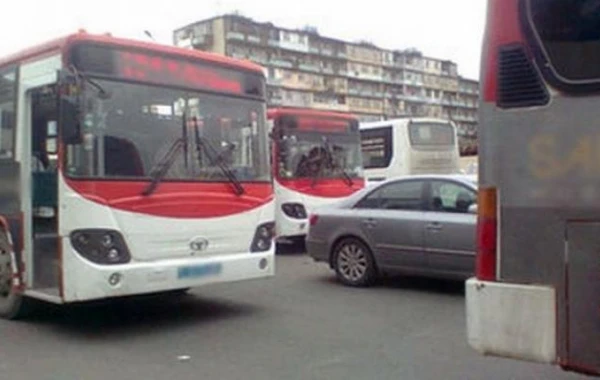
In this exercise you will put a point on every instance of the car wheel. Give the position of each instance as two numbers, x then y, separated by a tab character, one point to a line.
353	263
12	304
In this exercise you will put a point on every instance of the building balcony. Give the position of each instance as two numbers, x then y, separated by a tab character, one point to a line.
281	63
327	52
274	81
327	70
273	43
202	40
313	50
261	60
235	36
330	106
237	55
276	100
415	98
253	39
309	67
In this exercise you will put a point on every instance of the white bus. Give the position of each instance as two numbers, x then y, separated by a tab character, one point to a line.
130	168
397	147
316	162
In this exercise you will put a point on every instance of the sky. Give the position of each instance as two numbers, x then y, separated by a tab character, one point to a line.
447	29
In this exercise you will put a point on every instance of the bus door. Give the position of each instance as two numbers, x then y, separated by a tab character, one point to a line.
44	188
583	290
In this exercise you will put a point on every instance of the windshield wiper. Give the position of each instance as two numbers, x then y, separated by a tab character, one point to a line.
317	174
160	169
331	163
335	165
102	93
202	145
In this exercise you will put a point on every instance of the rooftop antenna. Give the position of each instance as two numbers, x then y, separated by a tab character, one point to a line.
149	35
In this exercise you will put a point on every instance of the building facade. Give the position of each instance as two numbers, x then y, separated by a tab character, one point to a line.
305	69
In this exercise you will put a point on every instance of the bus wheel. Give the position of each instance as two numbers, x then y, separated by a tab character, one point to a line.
354	264
12	303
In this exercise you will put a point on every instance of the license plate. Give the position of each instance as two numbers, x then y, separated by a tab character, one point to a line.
196	271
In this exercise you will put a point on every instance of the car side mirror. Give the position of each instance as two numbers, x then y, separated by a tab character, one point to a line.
472	209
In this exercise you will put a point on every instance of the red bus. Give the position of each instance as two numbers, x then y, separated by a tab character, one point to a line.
536	295
129	168
316	160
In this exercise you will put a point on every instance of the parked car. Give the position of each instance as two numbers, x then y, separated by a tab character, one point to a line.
421	225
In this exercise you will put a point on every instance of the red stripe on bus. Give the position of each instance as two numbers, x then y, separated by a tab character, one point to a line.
175	199
503	28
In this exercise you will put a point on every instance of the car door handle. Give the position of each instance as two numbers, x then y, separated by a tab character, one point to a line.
434	226
369	222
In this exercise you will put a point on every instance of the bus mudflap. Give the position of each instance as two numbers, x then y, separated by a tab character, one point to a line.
582	294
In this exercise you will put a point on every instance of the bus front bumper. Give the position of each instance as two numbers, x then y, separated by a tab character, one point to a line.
511	320
287	227
84	281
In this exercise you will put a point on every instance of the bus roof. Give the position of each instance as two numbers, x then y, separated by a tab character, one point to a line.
275	112
57	45
402	121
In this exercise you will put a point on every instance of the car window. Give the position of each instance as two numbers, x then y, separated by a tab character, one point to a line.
405	195
451	197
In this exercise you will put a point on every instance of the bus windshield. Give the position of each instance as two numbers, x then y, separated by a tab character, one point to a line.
129	131
301	154
426	134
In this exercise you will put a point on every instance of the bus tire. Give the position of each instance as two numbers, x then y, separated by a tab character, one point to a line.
13	305
353	263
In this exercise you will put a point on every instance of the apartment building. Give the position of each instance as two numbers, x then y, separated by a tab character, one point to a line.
305	69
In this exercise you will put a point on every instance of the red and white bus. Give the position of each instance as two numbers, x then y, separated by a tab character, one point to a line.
316	161
536	295
128	168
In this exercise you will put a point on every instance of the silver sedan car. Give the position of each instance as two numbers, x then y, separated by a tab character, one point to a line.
421	225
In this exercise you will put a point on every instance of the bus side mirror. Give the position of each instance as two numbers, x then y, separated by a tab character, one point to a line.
70	121
69	109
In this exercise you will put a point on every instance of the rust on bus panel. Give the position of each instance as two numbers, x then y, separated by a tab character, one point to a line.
549	160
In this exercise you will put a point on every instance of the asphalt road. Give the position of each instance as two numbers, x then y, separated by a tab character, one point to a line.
299	325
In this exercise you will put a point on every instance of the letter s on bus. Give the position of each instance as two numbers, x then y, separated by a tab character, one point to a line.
542	161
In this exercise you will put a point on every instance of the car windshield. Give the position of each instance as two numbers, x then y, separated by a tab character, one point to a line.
130	131
303	154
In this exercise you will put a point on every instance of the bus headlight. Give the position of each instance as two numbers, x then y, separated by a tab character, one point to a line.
294	210
100	246
263	237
